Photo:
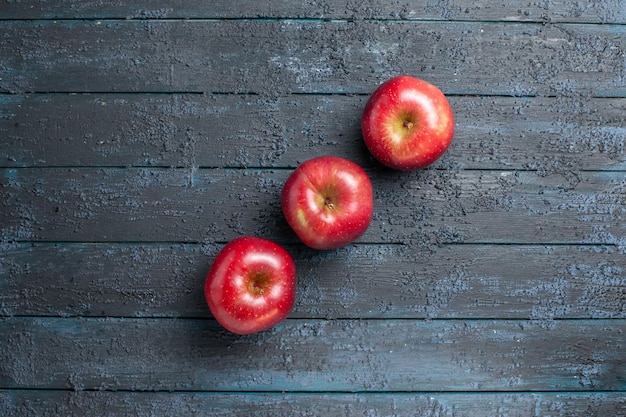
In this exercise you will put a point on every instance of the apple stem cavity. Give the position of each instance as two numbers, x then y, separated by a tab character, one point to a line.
257	283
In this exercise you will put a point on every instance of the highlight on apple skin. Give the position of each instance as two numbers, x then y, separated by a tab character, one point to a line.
328	202
407	123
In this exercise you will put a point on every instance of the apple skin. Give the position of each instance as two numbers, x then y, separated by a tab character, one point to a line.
250	286
328	201
407	123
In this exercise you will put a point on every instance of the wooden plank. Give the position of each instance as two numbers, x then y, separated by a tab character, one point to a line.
272	57
607	11
361	281
546	134
217	205
297	355
97	130
123	404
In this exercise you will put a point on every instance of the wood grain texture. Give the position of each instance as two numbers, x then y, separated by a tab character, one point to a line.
605	11
297	355
182	130
280	57
217	205
125	404
540	283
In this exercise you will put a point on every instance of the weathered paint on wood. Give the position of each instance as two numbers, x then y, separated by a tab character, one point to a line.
540	283
547	134
125	404
298	355
216	205
280	57
606	11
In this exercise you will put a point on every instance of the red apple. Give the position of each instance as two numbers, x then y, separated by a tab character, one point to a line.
407	123
328	202
251	285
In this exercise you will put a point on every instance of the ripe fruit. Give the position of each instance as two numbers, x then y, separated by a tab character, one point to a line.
251	285
407	123
328	202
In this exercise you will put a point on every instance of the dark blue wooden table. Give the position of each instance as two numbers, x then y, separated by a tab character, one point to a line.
137	139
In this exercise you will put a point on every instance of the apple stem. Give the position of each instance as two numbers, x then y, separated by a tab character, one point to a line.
329	204
408	124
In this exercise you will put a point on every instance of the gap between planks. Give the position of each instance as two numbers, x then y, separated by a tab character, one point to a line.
318	319
311	393
292	93
291	19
